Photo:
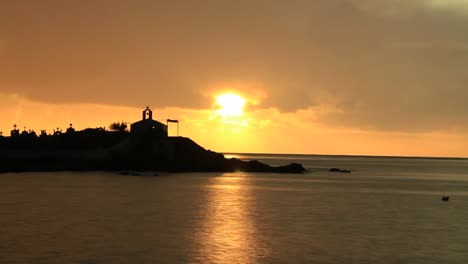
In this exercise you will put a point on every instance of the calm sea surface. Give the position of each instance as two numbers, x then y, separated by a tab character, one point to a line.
388	210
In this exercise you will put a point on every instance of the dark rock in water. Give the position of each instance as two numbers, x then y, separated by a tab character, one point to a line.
291	168
132	173
256	166
339	170
445	198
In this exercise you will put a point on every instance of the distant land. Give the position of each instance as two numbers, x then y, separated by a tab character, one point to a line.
146	146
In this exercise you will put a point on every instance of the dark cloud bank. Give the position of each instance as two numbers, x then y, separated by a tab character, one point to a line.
386	65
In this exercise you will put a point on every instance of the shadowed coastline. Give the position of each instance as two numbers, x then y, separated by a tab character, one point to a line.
145	147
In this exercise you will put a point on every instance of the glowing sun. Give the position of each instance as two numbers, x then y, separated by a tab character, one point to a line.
230	104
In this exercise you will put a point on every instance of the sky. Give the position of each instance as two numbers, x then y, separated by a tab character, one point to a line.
356	77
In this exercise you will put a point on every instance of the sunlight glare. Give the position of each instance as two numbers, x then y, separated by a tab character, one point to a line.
231	104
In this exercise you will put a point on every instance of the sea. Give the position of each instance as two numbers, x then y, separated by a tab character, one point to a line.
387	210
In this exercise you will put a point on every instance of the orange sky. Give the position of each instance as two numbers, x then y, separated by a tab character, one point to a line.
256	131
325	77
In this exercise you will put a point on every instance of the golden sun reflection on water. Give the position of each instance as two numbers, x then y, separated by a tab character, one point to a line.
229	232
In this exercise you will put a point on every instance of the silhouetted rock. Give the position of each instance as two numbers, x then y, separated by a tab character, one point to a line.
445	198
234	164
339	170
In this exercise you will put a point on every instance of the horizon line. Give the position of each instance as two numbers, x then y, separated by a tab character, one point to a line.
348	155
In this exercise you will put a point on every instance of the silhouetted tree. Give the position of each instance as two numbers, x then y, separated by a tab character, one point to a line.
116	126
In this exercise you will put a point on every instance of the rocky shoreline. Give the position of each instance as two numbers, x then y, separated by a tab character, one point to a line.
172	154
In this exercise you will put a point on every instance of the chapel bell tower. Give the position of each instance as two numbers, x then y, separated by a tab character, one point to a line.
147	114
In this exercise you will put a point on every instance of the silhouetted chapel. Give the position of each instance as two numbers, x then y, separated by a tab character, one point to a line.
148	127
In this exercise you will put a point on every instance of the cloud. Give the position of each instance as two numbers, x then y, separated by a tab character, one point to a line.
452	5
382	65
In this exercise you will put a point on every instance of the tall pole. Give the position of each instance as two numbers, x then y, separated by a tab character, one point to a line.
173	121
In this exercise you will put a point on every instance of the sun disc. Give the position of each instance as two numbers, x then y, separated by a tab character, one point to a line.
231	104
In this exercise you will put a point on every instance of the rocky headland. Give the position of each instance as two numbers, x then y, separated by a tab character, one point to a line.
173	154
146	146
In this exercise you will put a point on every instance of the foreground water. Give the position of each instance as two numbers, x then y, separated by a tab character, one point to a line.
389	210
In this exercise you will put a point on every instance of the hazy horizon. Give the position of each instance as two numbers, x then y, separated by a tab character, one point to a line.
336	155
